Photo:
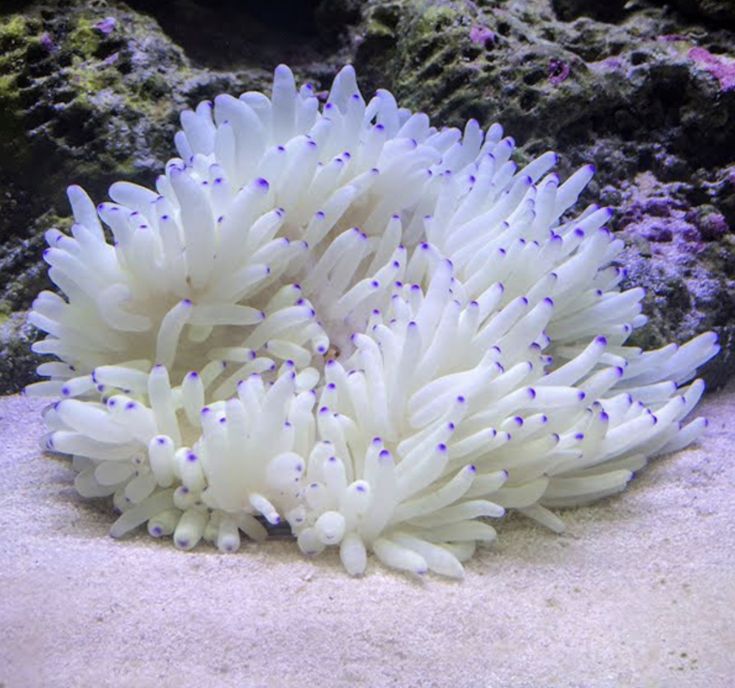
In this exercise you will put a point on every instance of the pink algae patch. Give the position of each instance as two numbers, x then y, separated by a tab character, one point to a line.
558	71
723	69
481	35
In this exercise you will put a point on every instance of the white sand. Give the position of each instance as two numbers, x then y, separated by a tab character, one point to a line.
639	592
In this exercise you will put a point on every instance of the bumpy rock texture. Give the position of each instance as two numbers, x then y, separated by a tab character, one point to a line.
90	91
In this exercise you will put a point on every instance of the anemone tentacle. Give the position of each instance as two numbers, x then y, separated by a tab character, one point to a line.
342	317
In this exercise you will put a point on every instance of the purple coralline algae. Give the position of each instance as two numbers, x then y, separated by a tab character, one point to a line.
722	68
481	35
558	71
106	26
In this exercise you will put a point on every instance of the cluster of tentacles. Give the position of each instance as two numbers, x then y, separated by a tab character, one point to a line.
339	316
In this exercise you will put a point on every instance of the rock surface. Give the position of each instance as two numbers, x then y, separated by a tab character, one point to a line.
90	91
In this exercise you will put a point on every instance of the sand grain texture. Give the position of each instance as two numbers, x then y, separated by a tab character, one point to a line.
639	592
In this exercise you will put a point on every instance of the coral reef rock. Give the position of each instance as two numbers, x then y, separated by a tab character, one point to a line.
90	92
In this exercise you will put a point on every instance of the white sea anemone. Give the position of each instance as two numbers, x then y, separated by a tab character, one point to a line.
380	332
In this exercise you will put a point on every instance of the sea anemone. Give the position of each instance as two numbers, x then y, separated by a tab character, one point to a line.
382	333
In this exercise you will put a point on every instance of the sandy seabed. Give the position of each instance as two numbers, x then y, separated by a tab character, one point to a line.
640	591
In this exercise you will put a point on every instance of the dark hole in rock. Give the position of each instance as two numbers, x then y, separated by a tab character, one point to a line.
10	6
534	76
528	100
250	33
606	11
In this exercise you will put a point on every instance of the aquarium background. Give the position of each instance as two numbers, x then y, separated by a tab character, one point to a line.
90	93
